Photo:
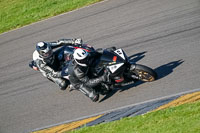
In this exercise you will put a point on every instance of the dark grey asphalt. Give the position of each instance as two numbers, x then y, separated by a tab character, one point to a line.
162	34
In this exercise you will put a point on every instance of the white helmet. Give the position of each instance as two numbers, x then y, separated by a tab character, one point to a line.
81	57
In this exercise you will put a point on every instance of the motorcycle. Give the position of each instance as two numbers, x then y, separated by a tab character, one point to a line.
121	70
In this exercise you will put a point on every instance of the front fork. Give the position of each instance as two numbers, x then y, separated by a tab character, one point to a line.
130	71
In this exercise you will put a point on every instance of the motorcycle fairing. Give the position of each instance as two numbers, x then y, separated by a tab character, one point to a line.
114	61
113	68
121	53
110	58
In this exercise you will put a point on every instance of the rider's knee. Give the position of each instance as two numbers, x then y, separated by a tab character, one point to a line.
63	84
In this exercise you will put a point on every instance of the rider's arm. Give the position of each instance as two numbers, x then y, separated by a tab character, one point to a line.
85	79
67	42
46	70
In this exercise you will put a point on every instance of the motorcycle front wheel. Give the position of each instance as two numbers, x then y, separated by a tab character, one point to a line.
144	73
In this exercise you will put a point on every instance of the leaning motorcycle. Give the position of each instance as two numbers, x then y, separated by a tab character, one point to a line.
121	70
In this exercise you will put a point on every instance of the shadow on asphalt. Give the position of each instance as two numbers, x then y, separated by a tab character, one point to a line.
162	72
167	69
137	57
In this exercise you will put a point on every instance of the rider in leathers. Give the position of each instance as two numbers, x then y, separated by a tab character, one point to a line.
79	68
49	62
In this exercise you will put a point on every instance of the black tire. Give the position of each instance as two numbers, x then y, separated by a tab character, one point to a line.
145	73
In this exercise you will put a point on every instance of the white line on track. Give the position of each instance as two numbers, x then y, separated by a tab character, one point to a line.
108	111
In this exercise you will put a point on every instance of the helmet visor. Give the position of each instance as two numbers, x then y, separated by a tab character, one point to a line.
83	62
46	54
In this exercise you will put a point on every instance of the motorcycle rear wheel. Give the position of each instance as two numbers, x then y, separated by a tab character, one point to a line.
144	73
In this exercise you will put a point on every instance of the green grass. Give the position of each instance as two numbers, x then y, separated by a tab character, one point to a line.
181	119
17	13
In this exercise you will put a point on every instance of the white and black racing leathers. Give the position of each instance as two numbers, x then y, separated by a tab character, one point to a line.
51	67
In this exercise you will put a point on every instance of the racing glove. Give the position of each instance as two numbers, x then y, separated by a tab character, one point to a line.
78	41
105	76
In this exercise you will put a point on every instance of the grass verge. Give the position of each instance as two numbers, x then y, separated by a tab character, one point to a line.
181	119
17	13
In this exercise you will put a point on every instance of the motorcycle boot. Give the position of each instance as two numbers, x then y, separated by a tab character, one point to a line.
89	92
106	89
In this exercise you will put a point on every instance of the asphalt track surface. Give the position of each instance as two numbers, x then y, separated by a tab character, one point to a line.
162	34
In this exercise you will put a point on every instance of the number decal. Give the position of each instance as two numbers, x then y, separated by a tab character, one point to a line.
120	53
113	68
